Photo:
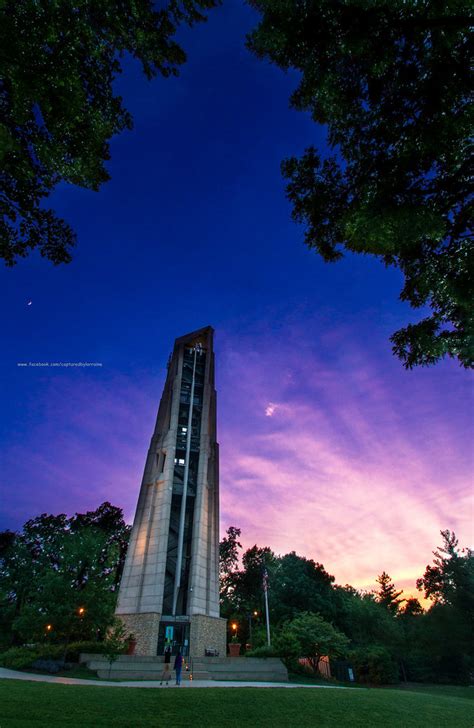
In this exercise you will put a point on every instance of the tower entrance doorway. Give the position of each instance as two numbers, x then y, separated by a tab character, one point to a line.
174	635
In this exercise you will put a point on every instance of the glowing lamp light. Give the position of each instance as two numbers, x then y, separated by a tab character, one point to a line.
234	626
49	627
81	611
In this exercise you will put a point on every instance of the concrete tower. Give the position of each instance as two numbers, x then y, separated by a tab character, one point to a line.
169	594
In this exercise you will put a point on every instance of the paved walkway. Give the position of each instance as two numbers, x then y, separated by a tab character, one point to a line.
15	675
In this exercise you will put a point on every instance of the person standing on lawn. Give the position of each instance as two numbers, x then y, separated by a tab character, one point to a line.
178	665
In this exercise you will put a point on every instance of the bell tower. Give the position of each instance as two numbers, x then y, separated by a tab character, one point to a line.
169	593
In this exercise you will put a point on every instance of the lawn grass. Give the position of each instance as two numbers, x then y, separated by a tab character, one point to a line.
308	679
457	691
41	705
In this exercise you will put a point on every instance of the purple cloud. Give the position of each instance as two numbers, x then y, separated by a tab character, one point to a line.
349	470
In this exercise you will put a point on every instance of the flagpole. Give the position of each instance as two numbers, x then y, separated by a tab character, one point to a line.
265	591
267	618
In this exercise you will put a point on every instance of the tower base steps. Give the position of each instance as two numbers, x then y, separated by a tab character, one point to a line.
134	667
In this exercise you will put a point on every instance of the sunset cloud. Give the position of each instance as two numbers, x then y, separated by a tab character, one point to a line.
353	473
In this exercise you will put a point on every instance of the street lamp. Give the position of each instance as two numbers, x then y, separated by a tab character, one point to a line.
234	627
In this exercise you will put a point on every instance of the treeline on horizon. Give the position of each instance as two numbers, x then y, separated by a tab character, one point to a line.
384	637
59	579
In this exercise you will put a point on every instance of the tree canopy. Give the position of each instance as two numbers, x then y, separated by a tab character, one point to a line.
311	637
62	572
58	110
445	634
391	80
450	580
387	594
381	638
298	582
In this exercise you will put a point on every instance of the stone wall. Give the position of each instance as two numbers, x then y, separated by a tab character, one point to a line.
207	632
145	628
